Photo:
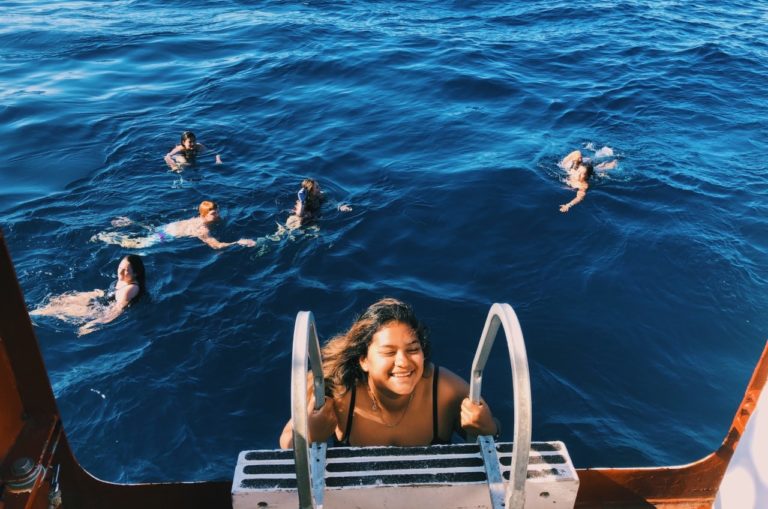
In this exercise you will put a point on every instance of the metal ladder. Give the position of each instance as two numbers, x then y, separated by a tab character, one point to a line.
310	458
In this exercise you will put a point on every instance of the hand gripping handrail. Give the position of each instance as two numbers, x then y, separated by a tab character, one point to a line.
504	315
310	460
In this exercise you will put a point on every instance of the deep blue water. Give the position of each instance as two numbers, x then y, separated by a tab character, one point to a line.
643	308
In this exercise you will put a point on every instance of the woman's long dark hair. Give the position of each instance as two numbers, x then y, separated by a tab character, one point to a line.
342	353
139	274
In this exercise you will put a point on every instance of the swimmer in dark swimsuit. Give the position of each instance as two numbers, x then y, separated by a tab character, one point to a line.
378	376
130	286
186	152
308	202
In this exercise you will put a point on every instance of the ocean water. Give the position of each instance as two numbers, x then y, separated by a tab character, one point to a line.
643	308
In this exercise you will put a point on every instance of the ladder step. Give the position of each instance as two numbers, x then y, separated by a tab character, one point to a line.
269	476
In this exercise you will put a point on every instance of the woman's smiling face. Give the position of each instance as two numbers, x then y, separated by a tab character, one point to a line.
394	361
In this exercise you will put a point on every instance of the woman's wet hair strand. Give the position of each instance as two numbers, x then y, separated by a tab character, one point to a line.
342	353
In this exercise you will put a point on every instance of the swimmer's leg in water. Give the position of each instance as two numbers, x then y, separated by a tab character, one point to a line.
121	239
608	165
72	305
122	221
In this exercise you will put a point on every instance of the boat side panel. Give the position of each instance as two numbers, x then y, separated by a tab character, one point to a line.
745	484
11	409
690	486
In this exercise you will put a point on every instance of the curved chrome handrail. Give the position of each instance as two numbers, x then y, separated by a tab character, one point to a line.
504	315
309	474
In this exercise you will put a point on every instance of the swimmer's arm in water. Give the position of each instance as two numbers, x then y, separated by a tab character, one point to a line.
123	297
298	209
341	207
608	165
580	194
204	148
169	157
216	244
321	423
571	160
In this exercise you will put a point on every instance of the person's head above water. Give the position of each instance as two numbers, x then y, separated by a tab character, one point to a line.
209	211
585	169
309	196
131	269
188	139
310	186
345	355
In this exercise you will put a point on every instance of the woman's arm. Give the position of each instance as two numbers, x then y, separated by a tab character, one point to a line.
298	209
169	157
478	419
580	194
216	244
571	160
322	423
475	418
123	297
204	148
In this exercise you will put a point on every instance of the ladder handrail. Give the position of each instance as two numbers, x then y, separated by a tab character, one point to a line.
504	315
309	474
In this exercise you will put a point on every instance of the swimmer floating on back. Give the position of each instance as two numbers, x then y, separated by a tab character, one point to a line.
186	152
195	227
307	206
580	169
130	286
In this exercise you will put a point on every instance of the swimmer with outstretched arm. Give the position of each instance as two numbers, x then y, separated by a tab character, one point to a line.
186	152
195	227
308	202
130	286
579	170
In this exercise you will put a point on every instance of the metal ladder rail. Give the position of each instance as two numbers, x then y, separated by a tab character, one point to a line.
504	315
310	459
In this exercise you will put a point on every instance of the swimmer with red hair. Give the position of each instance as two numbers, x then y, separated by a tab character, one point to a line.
199	227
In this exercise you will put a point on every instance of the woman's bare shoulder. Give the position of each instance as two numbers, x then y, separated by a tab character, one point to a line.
126	293
452	384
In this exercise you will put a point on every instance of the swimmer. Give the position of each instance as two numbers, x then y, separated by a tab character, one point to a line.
579	170
130	286
186	152
382	389
195	227
307	206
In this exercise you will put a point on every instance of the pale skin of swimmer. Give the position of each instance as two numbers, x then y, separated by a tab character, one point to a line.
578	176
195	227
76	305
396	368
